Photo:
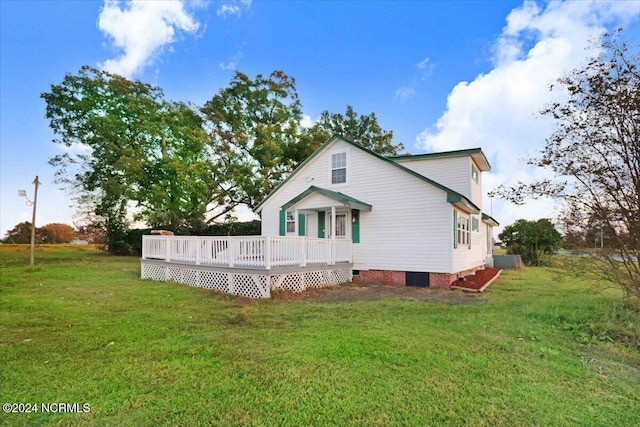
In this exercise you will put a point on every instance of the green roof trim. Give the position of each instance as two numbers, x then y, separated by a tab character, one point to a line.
475	153
486	218
463	202
334	195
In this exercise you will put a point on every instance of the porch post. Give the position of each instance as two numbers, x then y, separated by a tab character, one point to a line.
295	219
302	241
333	222
332	261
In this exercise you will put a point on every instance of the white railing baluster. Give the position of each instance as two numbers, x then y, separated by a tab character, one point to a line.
247	251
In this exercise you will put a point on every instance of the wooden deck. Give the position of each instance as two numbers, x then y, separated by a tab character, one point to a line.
250	266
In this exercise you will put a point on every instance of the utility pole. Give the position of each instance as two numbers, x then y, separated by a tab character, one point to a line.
36	182
23	193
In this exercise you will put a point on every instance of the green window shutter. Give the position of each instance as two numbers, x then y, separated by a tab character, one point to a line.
302	223
283	223
321	224
455	229
355	226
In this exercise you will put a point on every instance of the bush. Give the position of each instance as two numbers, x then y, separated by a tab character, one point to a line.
248	228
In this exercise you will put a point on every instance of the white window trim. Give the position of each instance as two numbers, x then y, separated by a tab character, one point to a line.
290	220
347	225
347	167
476	171
463	230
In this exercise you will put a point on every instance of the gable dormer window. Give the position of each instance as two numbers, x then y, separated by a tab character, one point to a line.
339	168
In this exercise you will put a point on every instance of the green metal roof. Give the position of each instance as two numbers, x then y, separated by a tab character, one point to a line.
338	197
475	153
459	200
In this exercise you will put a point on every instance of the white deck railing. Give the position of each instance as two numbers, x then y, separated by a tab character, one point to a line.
246	251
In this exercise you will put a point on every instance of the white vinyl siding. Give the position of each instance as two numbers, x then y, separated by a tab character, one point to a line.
473	254
452	172
409	227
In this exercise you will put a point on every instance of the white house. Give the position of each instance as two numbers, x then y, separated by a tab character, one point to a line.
413	220
346	213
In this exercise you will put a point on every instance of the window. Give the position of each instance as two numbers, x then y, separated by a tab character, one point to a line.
339	168
475	224
474	173
291	223
462	227
341	226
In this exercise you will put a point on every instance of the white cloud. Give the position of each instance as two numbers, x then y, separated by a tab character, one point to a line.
141	29
307	122
422	64
406	92
409	91
232	63
499	111
230	9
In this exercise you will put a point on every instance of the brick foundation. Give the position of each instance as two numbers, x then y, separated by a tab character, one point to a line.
394	277
383	277
441	280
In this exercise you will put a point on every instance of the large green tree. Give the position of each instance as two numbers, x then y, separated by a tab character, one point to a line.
255	137
594	154
124	146
177	179
363	129
531	239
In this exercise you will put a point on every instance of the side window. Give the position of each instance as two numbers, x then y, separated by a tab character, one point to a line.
339	168
474	173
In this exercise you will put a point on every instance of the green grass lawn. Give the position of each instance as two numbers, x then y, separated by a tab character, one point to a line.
81	327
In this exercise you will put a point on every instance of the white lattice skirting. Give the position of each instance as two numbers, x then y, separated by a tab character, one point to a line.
247	283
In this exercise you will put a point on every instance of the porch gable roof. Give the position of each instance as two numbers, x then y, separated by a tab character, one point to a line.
333	195
486	218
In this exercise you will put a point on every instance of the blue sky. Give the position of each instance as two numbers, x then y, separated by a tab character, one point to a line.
441	75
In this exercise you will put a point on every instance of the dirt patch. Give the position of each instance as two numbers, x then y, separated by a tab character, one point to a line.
370	292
